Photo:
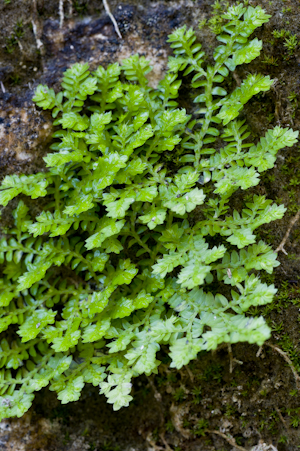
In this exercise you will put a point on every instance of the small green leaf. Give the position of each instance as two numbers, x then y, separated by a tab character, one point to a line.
34	275
72	391
35	323
95	331
242	237
109	228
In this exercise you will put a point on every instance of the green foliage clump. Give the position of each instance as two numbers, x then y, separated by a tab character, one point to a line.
115	266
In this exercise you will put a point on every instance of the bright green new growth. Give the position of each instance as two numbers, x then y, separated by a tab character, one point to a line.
114	266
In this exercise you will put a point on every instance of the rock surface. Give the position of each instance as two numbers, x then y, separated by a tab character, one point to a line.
257	405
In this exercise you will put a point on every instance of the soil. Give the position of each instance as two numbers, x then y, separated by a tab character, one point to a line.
231	397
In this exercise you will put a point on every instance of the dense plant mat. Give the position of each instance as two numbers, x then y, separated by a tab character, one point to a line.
136	270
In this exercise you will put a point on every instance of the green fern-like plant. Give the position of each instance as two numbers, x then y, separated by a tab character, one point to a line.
117	264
